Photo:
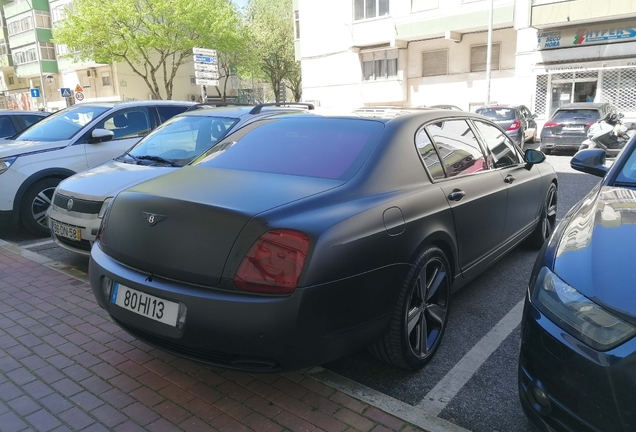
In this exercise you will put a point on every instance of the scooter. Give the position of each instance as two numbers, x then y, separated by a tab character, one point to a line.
609	134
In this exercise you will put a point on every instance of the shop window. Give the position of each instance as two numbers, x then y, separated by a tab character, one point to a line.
367	9
478	56
379	65
435	63
619	89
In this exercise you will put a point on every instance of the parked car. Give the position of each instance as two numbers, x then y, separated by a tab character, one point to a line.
14	121
79	201
69	141
568	125
300	238
517	120
579	319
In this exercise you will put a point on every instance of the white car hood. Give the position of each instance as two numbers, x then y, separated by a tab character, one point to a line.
108	179
10	148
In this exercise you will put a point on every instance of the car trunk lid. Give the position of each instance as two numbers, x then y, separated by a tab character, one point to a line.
183	225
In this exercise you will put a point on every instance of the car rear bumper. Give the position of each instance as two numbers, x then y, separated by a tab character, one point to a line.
588	391
562	142
250	332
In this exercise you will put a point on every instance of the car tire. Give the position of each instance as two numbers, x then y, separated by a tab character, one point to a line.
422	308
35	202
547	221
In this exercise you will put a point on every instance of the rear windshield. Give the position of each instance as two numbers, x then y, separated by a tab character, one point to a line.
576	116
497	113
311	147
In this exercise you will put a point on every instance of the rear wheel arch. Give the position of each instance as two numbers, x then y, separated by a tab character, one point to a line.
443	241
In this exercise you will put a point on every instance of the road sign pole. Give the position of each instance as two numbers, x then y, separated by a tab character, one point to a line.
204	94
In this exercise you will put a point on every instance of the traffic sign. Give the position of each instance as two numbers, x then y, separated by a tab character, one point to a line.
66	92
78	88
79	96
35	92
205	67
204	52
207	82
208	75
205	59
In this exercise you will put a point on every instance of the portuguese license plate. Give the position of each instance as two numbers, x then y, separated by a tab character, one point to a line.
147	305
67	231
573	128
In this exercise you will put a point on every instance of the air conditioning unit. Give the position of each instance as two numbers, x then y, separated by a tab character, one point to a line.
194	98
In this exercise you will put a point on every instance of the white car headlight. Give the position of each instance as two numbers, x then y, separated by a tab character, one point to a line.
104	207
578	315
6	163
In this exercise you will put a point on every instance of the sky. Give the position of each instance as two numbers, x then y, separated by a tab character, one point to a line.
240	3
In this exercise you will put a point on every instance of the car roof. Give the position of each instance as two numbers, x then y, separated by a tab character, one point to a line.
499	106
125	104
386	114
23	112
240	110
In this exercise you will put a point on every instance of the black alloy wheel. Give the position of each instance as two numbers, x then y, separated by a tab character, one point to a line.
421	313
547	222
35	203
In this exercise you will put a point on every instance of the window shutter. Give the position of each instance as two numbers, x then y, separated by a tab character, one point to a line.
478	55
435	63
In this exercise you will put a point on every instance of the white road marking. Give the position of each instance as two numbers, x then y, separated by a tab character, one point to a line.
42	243
448	387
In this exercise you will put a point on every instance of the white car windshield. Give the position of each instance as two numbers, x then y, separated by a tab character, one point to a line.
62	125
181	139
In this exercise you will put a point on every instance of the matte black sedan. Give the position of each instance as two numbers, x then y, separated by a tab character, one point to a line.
298	239
578	351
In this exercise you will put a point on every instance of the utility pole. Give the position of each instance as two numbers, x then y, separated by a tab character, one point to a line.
489	53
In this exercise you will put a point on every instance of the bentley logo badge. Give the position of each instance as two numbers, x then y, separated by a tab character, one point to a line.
153	218
69	204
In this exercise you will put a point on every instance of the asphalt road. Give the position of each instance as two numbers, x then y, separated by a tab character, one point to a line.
472	379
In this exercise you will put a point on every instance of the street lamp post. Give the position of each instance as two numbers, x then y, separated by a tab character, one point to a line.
489	53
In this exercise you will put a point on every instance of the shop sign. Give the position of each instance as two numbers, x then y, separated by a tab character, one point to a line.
582	36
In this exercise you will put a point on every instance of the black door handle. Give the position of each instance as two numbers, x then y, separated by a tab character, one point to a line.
509	178
456	195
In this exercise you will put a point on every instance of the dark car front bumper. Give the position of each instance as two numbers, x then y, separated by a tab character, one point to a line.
587	390
255	332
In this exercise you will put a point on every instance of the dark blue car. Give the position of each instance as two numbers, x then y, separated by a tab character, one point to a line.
577	366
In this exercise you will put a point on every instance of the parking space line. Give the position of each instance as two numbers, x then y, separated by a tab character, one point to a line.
42	243
448	387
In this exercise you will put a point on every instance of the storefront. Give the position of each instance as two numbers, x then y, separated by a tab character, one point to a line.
592	64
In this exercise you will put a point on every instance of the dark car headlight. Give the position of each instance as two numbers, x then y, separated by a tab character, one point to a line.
578	315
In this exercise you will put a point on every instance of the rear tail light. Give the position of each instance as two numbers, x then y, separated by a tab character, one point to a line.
551	124
274	263
515	125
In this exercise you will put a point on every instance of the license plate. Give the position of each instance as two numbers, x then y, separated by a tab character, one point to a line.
573	128
68	231
144	304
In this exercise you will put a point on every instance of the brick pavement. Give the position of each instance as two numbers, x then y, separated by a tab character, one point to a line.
64	365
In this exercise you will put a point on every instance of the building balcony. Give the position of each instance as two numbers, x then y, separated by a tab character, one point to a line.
558	13
32	69
30	37
5	61
377	31
13	8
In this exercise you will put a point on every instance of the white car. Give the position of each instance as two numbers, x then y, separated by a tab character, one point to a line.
79	202
69	141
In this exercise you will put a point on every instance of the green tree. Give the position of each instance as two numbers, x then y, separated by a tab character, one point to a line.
271	30
154	37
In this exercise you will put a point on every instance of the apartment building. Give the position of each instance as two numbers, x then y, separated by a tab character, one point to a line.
425	52
30	60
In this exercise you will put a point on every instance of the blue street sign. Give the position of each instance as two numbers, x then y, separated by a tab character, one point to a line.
66	92
205	59
35	93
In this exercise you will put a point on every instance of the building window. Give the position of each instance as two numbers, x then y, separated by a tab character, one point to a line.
4	50
10	80
47	51
435	63
60	12
296	25
20	25
106	79
366	9
42	19
379	65
478	54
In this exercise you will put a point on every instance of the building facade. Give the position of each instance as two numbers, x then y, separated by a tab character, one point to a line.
30	60
425	52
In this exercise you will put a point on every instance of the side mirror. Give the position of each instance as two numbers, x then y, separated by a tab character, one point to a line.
101	135
591	161
533	156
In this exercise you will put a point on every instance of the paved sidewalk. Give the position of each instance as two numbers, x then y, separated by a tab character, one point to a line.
65	366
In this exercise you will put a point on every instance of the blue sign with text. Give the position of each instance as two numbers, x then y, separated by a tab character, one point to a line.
35	93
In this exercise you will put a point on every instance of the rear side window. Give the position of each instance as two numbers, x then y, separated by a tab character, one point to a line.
576	116
498	113
429	155
6	127
324	148
502	150
458	147
167	112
